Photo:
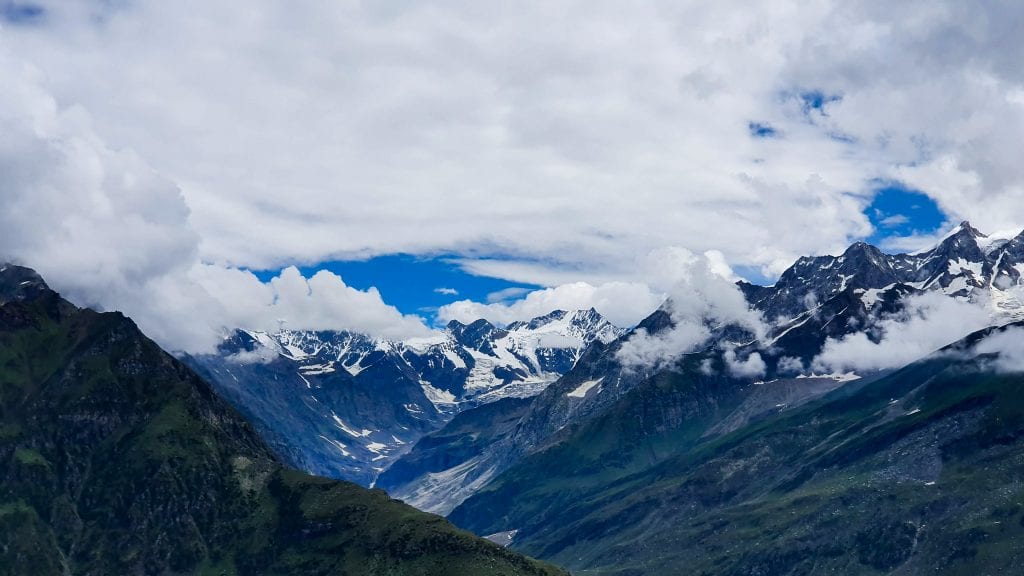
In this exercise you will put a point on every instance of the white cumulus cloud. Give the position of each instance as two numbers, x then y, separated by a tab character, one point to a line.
751	366
433	127
146	140
109	232
622	303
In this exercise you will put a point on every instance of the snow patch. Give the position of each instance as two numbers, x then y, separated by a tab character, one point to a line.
582	389
837	376
502	538
351	432
314	369
341	447
436	395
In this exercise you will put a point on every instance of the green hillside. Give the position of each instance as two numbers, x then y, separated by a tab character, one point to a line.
919	472
117	459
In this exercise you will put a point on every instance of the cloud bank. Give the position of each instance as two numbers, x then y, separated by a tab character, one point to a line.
700	300
296	134
622	303
927	323
109	232
425	128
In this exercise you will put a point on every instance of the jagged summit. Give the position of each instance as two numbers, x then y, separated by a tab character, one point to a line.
539	321
961	262
20	283
477	335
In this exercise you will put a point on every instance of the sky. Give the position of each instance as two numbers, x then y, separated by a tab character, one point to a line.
390	166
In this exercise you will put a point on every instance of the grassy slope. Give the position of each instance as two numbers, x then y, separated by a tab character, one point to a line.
116	459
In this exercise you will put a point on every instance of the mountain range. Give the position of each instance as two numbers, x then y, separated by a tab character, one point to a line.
815	300
116	458
346	405
745	454
613	470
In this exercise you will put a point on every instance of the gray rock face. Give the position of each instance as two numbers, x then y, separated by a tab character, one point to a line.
18	283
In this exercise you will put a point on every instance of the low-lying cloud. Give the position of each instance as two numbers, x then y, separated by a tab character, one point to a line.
750	367
1007	346
928	322
700	300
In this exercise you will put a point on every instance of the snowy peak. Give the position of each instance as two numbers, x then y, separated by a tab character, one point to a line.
475	362
962	236
524	357
580	327
539	321
965	264
478	335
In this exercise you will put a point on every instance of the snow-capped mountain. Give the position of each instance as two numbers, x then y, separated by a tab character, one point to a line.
964	264
816	299
346	405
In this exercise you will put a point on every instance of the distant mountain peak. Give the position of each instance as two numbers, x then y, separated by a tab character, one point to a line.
19	283
961	262
966	227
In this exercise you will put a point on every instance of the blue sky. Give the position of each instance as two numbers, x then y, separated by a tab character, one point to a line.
897	211
416	285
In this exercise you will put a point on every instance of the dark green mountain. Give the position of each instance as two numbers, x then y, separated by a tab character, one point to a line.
917	472
117	459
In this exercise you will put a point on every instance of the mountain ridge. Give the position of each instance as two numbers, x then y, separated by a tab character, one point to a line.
118	459
817	299
920	464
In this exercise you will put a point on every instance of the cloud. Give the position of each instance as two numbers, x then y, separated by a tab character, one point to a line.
700	300
321	302
622	303
750	367
894	220
109	232
658	273
446	291
507	294
427	128
790	365
927	323
1008	346
609	133
261	355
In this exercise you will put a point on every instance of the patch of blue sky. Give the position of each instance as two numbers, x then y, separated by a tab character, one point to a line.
413	284
817	101
762	130
754	275
897	211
